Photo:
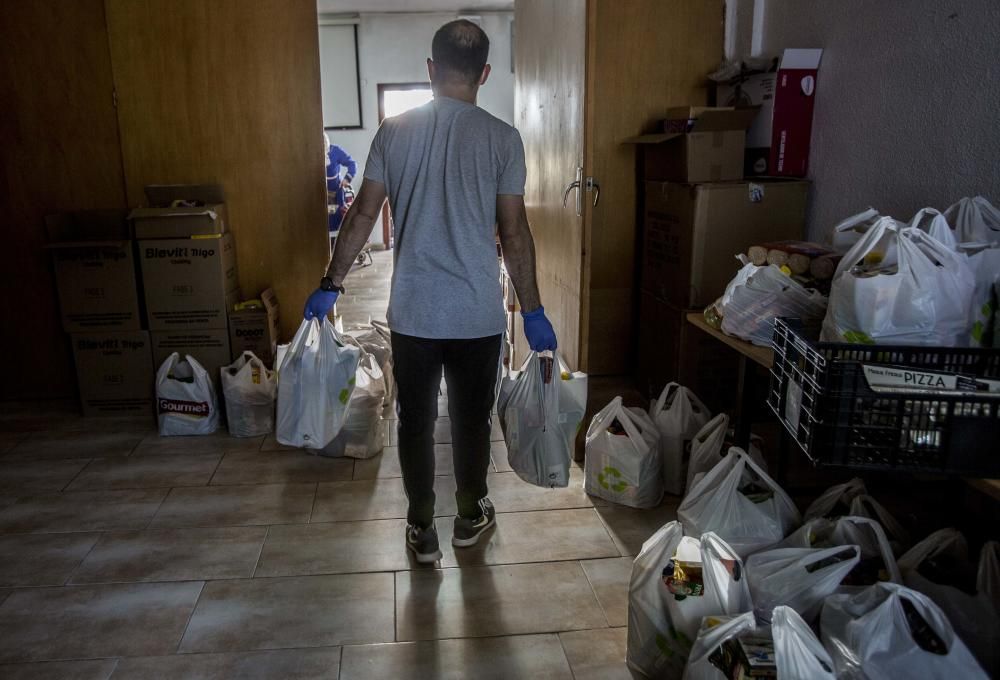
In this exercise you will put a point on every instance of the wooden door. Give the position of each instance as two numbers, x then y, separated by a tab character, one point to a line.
550	52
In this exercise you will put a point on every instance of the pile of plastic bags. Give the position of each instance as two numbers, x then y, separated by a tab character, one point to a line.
741	585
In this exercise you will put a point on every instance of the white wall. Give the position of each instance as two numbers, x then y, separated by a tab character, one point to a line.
906	104
393	48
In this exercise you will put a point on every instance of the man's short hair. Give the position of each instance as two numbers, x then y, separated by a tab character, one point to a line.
460	49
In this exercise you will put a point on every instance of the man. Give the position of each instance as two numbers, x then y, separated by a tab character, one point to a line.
336	159
454	176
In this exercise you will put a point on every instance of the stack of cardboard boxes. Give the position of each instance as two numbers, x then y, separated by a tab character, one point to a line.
698	213
188	261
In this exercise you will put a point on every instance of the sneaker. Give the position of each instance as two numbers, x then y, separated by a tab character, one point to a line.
468	531
423	543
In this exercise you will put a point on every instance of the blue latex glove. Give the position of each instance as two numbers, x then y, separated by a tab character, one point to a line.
538	331
319	304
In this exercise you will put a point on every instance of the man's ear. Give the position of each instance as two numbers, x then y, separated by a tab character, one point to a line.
431	69
485	76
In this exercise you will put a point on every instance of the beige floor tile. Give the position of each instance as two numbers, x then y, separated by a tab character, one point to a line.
82	511
335	548
42	559
214	506
631	527
496	658
609	579
39	624
552	536
93	669
9	440
386	464
597	654
498	452
138	472
172	555
375	499
487	601
96	443
510	493
216	443
276	613
39	475
271	444
280	467
286	664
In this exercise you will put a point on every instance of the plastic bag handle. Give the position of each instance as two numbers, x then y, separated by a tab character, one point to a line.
615	409
823	553
865	244
883	544
936	543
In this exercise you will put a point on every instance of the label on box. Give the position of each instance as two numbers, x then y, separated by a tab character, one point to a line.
900	379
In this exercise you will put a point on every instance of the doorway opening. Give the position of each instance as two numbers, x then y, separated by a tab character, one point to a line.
394	99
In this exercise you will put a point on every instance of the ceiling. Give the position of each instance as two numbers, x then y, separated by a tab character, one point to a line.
467	6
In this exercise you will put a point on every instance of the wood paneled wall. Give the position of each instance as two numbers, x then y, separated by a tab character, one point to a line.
59	151
228	91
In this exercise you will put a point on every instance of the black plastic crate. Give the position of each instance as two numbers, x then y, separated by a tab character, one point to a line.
819	391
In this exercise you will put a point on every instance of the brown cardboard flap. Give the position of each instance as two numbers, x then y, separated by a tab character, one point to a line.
88	225
732	119
208	211
656	138
162	195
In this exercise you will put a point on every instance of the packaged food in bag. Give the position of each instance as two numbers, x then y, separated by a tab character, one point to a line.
185	398
710	658
363	433
836	500
249	389
800	578
541	408
708	447
738	501
890	631
623	457
940	568
678	414
315	381
922	298
798	652
676	581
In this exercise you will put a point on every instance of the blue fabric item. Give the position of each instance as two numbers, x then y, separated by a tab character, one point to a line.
337	158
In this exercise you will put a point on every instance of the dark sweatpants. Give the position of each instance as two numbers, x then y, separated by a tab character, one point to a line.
470	371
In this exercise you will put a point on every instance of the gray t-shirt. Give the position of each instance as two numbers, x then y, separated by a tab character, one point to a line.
443	165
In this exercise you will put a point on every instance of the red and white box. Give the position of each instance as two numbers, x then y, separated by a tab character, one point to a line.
778	140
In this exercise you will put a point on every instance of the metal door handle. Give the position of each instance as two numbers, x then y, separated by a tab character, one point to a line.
572	185
592	185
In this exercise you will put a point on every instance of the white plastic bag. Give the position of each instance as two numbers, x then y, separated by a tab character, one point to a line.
836	500
622	461
714	631
936	226
798	653
315	382
975	616
985	265
758	295
362	435
800	578
974	220
375	342
888	631
678	415
540	419
249	389
864	505
662	626
718	503
185	398
708	448
849	231
924	298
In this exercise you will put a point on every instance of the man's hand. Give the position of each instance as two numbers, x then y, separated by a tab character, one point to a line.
537	329
319	304
346	181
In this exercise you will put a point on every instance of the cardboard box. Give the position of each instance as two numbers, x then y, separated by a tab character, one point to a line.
711	150
692	233
778	140
115	373
672	350
189	283
210	347
256	329
205	213
95	271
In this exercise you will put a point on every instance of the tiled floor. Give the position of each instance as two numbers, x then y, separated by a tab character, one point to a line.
126	555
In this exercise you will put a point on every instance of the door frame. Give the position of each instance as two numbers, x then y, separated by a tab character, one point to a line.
382	88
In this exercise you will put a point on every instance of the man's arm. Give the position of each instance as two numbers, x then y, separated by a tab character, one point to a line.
518	249
519	257
355	229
